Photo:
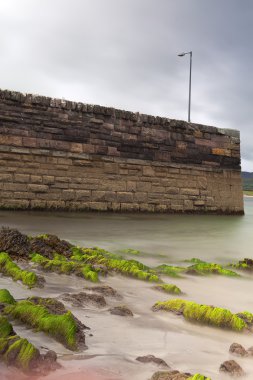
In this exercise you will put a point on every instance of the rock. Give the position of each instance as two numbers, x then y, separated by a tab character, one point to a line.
232	368
82	298
250	351
238	349
48	245
170	375
106	290
152	359
14	243
48	362
121	310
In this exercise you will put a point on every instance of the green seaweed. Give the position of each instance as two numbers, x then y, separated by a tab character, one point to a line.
61	265
203	268
62	327
10	269
208	315
24	352
197	376
170	270
168	288
245	264
5	327
6	297
115	263
15	350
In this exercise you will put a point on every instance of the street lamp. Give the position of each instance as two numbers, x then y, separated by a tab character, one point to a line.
190	83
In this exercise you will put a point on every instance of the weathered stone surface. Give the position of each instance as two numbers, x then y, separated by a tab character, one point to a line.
238	350
232	368
122	311
152	359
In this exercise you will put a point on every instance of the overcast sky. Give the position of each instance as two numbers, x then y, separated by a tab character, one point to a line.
123	53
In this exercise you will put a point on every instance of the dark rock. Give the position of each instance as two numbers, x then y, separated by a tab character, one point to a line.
152	359
50	355
232	368
238	349
51	304
170	375
14	243
48	245
121	310
82	298
106	290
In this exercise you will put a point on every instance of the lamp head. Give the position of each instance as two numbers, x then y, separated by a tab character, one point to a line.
181	55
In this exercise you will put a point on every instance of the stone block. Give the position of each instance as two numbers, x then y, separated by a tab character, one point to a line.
124	197
37	188
187	191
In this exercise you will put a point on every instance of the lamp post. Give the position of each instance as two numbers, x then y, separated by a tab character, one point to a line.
190	83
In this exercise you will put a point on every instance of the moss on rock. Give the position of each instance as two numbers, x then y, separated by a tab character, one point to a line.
168	288
197	376
61	264
170	270
204	314
64	328
10	269
116	263
203	268
6	297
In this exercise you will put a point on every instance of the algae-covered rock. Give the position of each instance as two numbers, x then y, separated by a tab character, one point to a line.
245	264
152	359
115	263
64	327
121	310
6	297
170	270
20	353
168	288
10	269
232	368
170	375
204	314
62	265
204	268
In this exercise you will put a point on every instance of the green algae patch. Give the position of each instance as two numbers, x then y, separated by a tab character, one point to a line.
6	297
115	263
10	269
204	314
197	376
6	328
62	328
24	352
62	265
204	268
168	288
245	264
170	270
15	350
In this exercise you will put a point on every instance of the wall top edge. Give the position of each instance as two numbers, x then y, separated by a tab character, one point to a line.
44	101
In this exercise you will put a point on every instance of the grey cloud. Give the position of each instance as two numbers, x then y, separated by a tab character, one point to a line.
123	53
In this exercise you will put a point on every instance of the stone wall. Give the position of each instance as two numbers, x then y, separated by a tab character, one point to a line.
57	154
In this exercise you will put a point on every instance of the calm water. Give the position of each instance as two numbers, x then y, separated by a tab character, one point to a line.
116	341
